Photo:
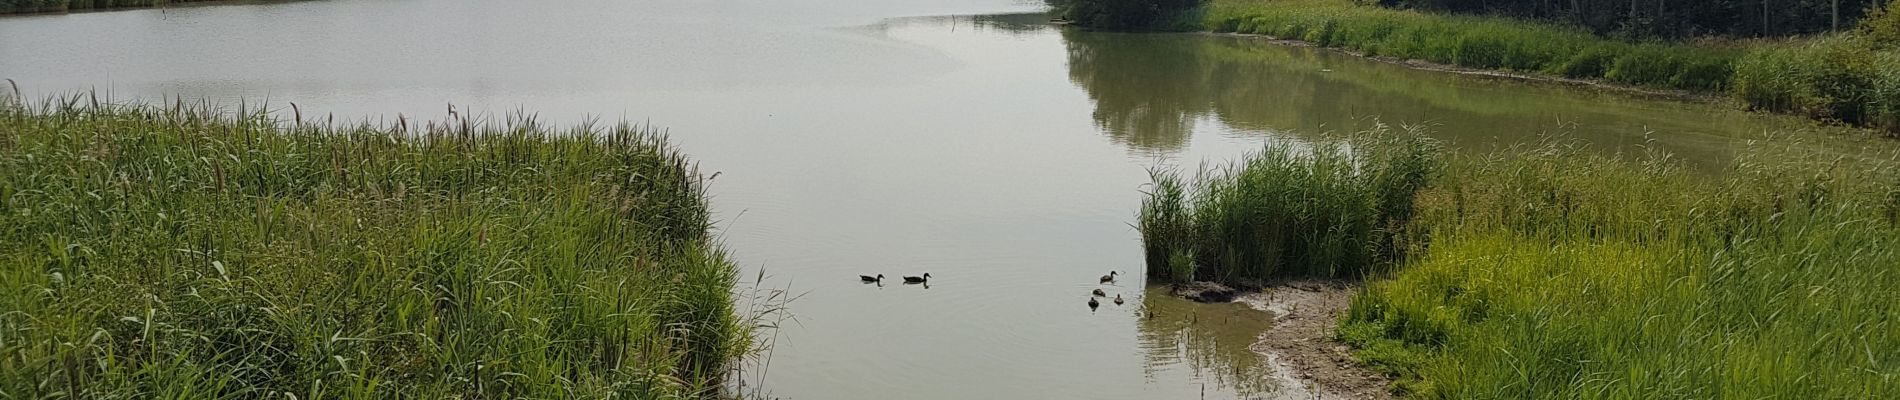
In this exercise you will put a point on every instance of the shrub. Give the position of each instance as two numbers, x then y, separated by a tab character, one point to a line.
1882	26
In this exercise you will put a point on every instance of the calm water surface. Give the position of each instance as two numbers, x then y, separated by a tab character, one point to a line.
1002	155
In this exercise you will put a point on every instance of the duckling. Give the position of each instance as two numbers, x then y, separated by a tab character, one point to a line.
1110	278
917	279
1093	304
1118	299
1099	292
870	279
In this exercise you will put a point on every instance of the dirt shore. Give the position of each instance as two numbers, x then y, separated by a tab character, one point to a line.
1301	343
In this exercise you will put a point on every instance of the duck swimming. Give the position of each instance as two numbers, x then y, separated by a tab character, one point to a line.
1110	278
1099	292
1118	299
869	279
1093	304
917	279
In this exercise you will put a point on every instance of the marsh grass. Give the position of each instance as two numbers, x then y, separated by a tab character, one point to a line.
1850	77
1480	42
184	252
1555	272
1338	208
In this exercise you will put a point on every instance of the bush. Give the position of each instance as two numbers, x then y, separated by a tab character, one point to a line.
1882	26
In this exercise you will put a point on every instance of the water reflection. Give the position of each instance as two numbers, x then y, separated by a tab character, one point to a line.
1148	89
1212	340
1153	91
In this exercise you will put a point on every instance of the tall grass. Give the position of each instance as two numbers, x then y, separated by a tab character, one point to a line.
1556	273
182	252
1851	77
1479	42
1336	209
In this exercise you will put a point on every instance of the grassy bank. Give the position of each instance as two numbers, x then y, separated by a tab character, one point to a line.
1480	42
175	252
36	6
1849	77
1555	272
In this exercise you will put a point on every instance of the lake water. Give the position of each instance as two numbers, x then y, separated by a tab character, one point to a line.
1000	154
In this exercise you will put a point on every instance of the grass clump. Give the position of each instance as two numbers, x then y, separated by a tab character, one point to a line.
1334	209
180	252
1554	273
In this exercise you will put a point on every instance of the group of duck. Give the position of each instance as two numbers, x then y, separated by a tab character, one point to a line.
879	279
925	279
1106	279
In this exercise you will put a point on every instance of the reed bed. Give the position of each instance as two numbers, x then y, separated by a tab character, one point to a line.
184	252
1480	42
1850	77
1555	271
1338	208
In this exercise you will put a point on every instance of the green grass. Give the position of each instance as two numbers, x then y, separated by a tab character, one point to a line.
1337	209
1558	274
1478	42
1554	271
178	252
1851	77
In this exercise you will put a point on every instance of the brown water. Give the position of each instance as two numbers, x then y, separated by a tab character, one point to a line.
1002	155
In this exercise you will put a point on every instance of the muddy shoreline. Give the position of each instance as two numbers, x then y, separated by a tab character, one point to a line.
1301	349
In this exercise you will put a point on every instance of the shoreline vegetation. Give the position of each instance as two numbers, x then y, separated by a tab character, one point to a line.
1851	77
1551	271
185	252
60	6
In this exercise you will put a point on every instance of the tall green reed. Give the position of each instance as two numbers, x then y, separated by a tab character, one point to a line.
1331	208
181	251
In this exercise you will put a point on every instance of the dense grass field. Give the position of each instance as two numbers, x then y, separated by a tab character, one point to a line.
1556	272
1851	77
180	252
